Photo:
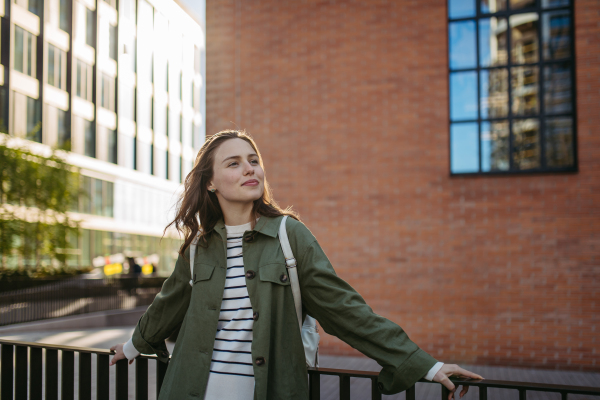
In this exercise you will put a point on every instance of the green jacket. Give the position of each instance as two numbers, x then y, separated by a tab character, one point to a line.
340	310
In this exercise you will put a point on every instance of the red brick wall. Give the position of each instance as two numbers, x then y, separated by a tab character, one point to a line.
348	102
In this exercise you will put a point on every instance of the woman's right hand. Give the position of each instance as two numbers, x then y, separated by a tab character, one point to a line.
119	355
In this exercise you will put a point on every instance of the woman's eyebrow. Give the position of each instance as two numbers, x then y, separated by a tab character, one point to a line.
236	157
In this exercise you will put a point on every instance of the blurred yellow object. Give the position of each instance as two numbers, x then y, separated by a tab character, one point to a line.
111	269
147	269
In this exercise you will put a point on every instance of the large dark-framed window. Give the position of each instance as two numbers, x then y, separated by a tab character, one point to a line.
511	86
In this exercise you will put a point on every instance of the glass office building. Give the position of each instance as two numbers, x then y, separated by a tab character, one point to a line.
120	86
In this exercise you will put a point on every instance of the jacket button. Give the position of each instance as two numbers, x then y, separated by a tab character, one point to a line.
255	316
283	278
249	238
260	361
250	274
165	354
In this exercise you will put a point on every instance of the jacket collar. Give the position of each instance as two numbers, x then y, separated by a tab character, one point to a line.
266	225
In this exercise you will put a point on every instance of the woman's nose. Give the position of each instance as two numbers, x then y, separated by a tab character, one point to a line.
248	168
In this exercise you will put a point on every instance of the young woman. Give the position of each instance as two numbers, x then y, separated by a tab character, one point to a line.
239	336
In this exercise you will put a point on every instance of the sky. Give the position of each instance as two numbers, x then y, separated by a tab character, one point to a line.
197	8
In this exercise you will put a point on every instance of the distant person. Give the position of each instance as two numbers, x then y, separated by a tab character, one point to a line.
134	268
240	337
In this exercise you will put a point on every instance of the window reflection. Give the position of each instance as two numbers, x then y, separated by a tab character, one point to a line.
525	90
494	93
463	95
492	42
557	88
492	6
524	38
559	142
494	146
554	3
464	148
555	35
461	8
518	4
526	144
462	44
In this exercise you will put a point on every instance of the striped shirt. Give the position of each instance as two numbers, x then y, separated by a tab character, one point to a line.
231	372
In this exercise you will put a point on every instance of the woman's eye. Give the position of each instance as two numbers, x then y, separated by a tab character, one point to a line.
233	163
254	161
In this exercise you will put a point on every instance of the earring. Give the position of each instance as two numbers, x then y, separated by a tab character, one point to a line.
212	190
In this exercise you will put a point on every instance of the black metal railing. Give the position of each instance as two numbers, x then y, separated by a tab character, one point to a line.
26	373
72	296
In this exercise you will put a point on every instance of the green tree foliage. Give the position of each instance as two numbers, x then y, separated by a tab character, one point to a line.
36	192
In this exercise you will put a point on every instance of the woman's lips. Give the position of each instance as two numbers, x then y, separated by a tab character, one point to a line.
252	182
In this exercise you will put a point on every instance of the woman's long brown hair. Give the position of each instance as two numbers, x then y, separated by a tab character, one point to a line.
198	208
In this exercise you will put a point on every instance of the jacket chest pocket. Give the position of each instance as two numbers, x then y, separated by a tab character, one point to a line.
202	272
275	273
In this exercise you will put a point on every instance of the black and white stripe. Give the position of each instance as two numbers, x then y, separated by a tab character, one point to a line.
231	367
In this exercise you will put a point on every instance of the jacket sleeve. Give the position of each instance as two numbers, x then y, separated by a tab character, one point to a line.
342	312
165	313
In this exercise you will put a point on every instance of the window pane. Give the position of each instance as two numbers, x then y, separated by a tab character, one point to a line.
97	197
524	38
518	4
64	15
109	199
34	120
86	198
557	88
526	144
181	128
112	31
51	60
30	66
35	7
112	146
64	132
464	154
492	6
90	139
494	146
494	93
525	90
555	35
59	69
462	44
492	42
554	3
559	142
89	37
461	8
19	53
463	95
80	79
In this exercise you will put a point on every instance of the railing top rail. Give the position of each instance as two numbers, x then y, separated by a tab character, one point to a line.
543	387
63	347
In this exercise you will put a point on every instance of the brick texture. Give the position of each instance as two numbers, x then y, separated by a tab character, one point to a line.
348	101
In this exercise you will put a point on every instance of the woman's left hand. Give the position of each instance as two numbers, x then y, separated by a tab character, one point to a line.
454	370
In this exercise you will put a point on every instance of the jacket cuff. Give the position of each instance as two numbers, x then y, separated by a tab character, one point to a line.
407	374
434	370
144	347
130	351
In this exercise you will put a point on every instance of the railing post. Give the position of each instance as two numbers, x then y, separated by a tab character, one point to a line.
161	370
6	382
121	388
141	379
483	393
35	373
375	393
445	392
344	387
67	387
85	376
102	377
411	393
314	385
51	374
21	373
522	394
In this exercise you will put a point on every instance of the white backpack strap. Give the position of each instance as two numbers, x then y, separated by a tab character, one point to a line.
192	254
290	262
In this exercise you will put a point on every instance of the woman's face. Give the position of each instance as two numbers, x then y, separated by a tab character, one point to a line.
238	176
